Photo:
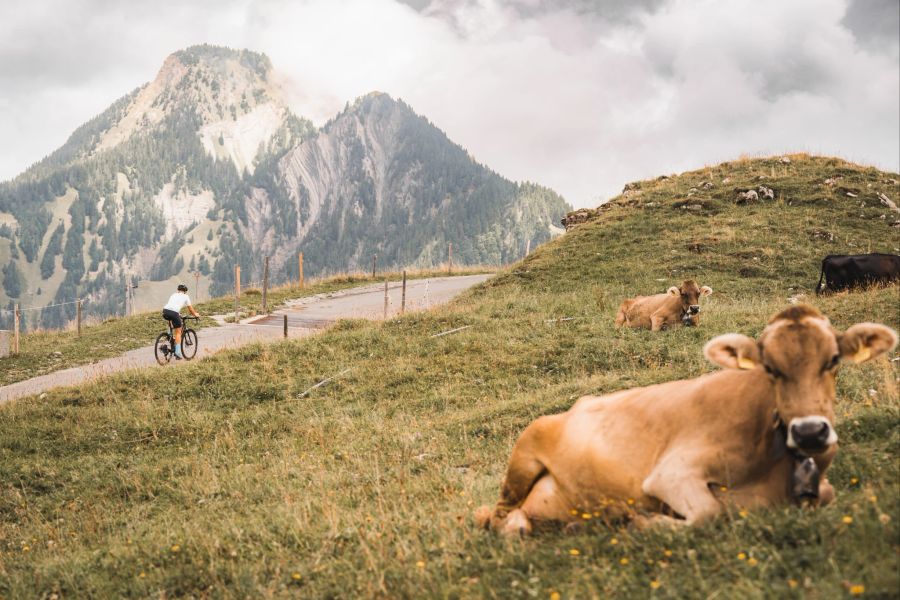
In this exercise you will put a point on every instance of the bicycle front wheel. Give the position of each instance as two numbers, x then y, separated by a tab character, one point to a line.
163	348
189	344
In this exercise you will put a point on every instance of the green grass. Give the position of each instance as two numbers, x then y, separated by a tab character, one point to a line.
235	487
43	352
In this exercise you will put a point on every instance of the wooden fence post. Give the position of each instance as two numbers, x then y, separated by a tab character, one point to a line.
403	296
374	258
285	325
237	290
197	285
78	316
527	247
16	327
265	292
301	270
385	298
450	258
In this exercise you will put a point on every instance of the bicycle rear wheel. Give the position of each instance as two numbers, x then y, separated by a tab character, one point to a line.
163	348
189	344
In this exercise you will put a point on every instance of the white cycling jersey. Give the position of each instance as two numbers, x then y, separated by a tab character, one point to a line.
177	301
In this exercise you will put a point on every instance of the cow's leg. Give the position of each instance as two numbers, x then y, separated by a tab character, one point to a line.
523	472
826	492
657	322
546	502
682	487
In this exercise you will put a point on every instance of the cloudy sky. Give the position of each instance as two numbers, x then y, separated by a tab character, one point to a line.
579	95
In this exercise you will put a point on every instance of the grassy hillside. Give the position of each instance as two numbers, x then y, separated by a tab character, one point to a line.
238	484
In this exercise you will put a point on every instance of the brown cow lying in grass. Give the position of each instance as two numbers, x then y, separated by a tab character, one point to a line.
678	306
758	433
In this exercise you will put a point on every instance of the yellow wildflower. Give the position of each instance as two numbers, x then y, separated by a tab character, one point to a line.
614	541
667	552
623	561
752	561
743	514
854	481
655	584
792	583
175	548
554	596
574	551
586	516
296	576
741	556
142	575
857	590
420	564
846	519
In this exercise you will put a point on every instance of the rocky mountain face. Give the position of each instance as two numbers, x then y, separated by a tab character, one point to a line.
206	167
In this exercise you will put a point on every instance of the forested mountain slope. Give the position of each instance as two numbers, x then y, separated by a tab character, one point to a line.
206	167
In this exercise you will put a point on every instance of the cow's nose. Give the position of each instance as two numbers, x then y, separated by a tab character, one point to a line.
694	309
811	433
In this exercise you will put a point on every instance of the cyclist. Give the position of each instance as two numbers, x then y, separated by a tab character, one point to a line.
172	312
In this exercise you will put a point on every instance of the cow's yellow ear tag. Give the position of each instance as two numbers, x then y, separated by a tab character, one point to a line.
862	354
746	363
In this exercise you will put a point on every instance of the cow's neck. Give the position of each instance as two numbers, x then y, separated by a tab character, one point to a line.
804	484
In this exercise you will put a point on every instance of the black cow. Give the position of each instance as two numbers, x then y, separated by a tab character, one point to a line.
842	272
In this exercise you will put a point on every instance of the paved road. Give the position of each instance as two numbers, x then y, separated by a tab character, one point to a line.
305	317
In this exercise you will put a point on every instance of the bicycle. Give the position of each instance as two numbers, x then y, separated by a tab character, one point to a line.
164	349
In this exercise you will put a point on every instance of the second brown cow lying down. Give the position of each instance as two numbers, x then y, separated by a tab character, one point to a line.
678	306
758	433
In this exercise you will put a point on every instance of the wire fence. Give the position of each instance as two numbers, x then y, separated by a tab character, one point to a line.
12	311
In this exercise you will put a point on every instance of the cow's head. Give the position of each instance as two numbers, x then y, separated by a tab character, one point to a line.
799	351
690	293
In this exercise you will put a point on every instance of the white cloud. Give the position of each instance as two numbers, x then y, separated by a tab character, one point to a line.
580	96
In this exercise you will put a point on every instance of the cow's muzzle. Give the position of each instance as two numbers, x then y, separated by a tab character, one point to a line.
693	309
811	434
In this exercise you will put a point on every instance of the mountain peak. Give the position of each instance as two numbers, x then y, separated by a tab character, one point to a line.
220	56
238	105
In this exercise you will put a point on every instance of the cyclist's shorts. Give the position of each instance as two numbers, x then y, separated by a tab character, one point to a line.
171	315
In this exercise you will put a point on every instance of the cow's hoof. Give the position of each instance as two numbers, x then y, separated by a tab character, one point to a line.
483	516
641	522
517	524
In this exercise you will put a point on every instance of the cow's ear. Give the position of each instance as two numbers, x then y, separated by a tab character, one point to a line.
673	291
706	291
733	351
865	341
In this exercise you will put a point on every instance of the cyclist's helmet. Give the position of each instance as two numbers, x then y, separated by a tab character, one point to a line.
182	287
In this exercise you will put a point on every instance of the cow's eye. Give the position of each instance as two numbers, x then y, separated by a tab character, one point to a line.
833	362
772	371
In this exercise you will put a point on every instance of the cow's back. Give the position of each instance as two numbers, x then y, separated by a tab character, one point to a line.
641	307
623	435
